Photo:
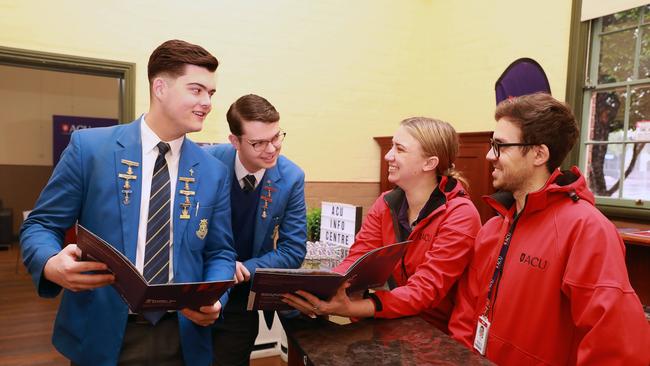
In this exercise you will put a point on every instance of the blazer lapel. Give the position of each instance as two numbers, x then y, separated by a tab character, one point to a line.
129	149
262	225
188	167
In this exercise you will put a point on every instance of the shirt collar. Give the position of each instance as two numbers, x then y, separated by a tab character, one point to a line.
150	139
241	171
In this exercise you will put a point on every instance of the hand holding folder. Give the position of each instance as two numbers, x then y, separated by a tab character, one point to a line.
136	292
369	271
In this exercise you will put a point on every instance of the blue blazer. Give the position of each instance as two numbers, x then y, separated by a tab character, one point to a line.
85	187
286	215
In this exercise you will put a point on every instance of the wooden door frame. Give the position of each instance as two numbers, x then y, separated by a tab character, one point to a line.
123	71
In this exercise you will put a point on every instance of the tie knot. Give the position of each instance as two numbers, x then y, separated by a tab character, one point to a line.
163	148
249	182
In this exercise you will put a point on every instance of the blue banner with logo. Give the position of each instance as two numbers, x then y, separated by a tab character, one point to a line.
64	126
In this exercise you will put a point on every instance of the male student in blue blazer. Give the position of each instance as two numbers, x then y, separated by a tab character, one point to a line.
106	180
268	216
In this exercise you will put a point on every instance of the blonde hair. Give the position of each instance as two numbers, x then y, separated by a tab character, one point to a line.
437	138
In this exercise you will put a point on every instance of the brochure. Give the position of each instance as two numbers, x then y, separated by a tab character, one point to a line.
369	271
134	289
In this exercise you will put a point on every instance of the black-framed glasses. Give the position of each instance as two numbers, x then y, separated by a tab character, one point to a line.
496	146
261	145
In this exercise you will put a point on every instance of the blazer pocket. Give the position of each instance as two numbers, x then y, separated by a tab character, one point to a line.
198	228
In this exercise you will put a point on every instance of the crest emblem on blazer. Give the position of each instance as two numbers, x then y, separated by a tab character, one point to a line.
203	229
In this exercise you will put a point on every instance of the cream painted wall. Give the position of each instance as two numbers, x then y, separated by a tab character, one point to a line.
339	72
29	98
476	40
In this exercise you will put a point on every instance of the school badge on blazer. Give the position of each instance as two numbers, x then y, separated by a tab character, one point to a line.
203	229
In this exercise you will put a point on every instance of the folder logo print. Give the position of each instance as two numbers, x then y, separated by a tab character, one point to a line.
203	229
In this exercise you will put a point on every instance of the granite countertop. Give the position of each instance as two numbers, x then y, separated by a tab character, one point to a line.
405	341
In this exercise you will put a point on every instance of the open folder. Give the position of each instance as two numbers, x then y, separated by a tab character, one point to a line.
369	271
134	289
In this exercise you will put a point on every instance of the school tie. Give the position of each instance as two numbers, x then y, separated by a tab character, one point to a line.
249	183
156	250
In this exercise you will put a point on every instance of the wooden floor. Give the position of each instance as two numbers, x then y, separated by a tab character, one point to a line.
26	320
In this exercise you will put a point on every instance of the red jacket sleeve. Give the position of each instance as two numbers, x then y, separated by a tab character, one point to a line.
369	236
611	326
442	266
462	323
472	285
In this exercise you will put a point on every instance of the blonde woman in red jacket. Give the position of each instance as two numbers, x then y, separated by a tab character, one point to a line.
429	206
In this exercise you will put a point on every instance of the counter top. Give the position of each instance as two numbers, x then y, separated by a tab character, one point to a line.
635	236
405	341
633	232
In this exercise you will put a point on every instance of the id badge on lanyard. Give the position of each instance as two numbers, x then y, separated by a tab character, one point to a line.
482	330
483	324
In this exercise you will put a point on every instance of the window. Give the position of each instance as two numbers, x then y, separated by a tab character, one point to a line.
615	133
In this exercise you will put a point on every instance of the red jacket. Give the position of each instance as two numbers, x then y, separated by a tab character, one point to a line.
433	263
564	297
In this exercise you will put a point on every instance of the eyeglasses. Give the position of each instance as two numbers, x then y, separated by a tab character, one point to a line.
496	146
261	145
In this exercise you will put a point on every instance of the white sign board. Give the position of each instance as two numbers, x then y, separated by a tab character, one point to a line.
338	223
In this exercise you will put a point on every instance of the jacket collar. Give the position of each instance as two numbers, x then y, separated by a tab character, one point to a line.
130	135
129	147
270	183
188	166
447	189
561	185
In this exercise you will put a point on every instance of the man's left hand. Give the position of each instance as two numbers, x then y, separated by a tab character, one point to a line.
206	315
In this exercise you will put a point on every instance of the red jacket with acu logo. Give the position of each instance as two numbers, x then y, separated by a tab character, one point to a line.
564	297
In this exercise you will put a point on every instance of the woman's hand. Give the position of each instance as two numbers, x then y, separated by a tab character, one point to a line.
340	304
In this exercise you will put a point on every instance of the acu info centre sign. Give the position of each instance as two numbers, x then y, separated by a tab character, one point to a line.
339	222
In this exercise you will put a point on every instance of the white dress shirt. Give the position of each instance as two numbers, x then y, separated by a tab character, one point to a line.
241	172
149	155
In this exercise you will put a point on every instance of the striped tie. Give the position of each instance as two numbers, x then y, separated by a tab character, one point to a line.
156	252
249	183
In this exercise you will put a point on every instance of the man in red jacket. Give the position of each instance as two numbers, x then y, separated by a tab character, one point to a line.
548	282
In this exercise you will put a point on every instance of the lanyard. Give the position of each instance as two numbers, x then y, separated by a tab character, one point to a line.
498	270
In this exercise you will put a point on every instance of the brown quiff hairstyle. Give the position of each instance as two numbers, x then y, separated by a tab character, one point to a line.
250	107
437	138
171	57
543	120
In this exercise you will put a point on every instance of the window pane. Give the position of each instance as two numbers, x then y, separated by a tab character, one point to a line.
621	20
607	115
644	60
616	57
637	180
604	168
639	114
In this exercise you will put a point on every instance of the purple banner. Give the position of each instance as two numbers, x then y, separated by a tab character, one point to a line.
64	126
523	76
